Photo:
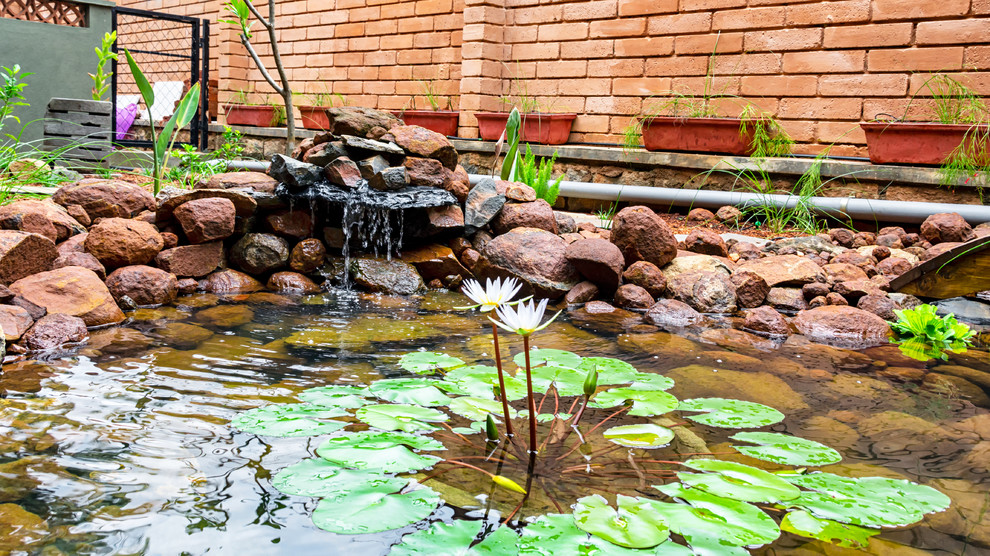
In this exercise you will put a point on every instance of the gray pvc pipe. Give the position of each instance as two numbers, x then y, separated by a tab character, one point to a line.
840	207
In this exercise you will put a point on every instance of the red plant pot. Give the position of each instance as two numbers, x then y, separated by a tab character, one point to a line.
256	116
696	135
314	117
443	122
545	129
914	142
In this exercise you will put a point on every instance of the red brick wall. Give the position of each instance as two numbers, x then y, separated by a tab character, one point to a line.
819	66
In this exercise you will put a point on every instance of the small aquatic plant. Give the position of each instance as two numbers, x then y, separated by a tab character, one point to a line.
924	335
616	470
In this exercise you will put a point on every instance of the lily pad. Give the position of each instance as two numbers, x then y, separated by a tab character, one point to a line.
567	381
645	403
345	397
632	525
478	409
428	362
610	370
806	525
320	478
737	481
480	381
367	509
730	414
456	539
555	357
295	419
387	452
651	381
416	391
556	534
400	417
640	436
784	449
707	516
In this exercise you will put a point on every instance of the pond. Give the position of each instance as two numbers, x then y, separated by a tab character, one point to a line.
125	445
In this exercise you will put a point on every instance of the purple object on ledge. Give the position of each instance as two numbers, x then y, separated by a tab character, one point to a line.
125	119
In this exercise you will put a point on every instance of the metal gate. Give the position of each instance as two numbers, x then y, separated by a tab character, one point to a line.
173	52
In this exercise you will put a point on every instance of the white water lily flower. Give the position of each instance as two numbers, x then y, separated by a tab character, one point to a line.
525	319
493	295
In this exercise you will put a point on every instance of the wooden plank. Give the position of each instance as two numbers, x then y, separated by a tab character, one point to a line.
83	132
82	118
963	270
79	105
59	142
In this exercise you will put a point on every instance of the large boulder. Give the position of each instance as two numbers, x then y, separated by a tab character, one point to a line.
171	198
706	292
259	253
363	122
72	290
751	288
424	172
641	235
842	326
946	226
435	262
598	260
536	214
231	281
307	255
537	257
40	217
191	260
419	141
54	331
101	198
205	220
14	322
380	276
118	242
84	260
23	254
766	320
785	270
647	276
256	181
144	285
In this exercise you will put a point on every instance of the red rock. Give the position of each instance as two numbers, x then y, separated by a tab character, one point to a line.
307	255
744	250
700	215
729	215
842	236
75	244
324	153
583	292
55	331
191	260
878	304
169	240
893	266
834	298
120	242
786	299
671	313
946	226
843	272
41	217
598	261
469	258
419	141
144	285
936	250
292	282
631	296
537	214
842	327
205	220
257	181
706	292
854	289
785	270
881	252
230	281
72	290
536	257
435	262
751	288
187	286
344	172
641	235
706	242
457	182
815	289
102	198
424	172
890	240
296	224
170	199
14	321
766	320
23	254
84	260
79	215
259	253
308	143
444	219
819	301
647	276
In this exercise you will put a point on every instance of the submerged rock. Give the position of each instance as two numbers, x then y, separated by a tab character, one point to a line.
381	276
226	316
760	387
842	326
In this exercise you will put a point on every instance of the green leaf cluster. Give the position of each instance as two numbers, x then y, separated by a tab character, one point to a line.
925	335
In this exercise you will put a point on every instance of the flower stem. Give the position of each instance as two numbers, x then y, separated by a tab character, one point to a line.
529	396
501	383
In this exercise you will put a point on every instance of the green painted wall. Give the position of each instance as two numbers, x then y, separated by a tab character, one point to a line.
60	57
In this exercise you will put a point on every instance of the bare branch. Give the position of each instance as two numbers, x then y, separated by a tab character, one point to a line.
261	66
257	14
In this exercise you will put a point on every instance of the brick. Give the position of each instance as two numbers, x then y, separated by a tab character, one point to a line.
640	86
364	73
873	85
862	36
563	32
783	39
743	64
780	85
619	28
592	9
542	14
396	42
916	59
363	43
350	30
818	108
477	32
748	18
591	124
699	5
978	82
646	7
800	130
912	109
727	43
901	9
592	86
431	40
834	61
981	7
977	57
820	13
844	132
364	14
629	67
953	32
382	27
377	87
679	24
586	50
426	7
677	65
644	47
612	105
395	73
320	32
380	58
348	59
415	24
521	34
570	68
719	85
484	14
414	56
549	51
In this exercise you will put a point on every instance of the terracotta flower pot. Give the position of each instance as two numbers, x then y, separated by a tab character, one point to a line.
696	135
546	129
242	114
443	122
314	117
914	142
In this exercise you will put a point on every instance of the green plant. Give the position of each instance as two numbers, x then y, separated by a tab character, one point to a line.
521	99
105	53
278	112
161	144
433	97
537	176
510	134
11	92
607	215
194	166
231	146
924	335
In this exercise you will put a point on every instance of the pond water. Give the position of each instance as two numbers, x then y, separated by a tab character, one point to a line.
124	446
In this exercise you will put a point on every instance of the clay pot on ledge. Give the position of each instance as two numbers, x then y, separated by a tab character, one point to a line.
926	143
443	122
249	115
545	129
314	117
696	135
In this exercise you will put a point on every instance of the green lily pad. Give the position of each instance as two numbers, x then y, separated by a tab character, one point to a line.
610	370
633	525
730	414
478	409
806	525
706	516
320	478
567	381
556	534
645	403
737	481
416	391
554	357
480	381
295	419
547	417
645	435
428	362
784	449
456	539
368	510
346	397
651	381
711	545
387	452
400	417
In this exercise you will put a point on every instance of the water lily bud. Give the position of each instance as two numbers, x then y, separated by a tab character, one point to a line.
491	431
508	483
591	383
